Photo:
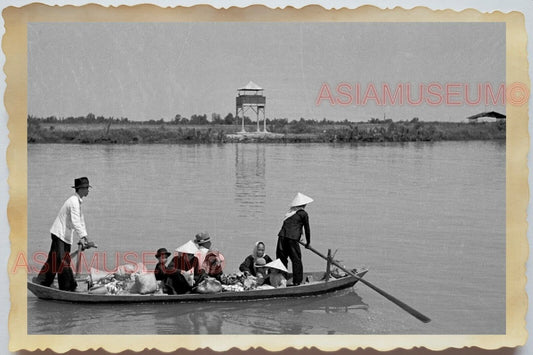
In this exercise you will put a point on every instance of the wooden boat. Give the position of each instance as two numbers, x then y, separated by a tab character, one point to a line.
319	286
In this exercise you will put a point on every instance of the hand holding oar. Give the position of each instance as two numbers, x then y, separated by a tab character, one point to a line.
89	245
81	247
391	298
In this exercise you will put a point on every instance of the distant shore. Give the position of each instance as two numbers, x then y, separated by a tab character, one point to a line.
298	132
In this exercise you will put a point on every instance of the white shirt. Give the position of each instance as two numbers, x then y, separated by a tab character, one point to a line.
69	220
202	253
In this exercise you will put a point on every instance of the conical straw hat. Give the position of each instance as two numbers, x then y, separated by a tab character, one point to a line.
277	264
301	199
188	248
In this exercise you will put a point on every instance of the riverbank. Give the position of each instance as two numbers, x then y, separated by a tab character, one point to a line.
138	133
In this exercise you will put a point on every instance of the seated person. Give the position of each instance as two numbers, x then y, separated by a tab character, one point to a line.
261	272
276	276
247	265
160	270
211	260
183	270
186	258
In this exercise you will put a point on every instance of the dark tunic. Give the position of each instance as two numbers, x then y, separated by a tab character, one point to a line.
175	282
248	264
161	272
184	262
292	227
288	246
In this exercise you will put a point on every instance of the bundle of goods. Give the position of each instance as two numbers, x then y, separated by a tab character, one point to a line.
208	285
240	282
126	279
146	283
106	284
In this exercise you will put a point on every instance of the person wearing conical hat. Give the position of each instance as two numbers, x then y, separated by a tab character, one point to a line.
275	276
183	270
68	224
186	258
295	223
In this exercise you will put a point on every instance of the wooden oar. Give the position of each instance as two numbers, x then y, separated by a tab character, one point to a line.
78	252
89	246
391	298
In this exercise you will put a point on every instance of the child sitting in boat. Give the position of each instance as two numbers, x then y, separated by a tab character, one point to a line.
247	266
275	274
261	272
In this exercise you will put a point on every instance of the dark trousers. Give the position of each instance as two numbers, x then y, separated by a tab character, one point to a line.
58	262
290	249
175	284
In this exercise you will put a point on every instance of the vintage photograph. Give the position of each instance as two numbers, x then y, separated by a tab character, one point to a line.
266	178
288	177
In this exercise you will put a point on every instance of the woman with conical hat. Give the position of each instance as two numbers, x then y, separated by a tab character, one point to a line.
275	275
296	222
186	258
183	270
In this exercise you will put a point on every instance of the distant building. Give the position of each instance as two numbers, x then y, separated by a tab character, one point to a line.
491	116
250	97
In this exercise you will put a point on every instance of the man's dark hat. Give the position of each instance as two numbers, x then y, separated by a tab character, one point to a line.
162	251
81	182
202	238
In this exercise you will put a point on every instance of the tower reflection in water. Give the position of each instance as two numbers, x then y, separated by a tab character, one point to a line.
250	182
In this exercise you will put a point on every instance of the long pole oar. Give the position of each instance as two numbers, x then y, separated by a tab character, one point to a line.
388	296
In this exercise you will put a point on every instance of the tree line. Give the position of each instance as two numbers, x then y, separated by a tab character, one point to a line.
195	119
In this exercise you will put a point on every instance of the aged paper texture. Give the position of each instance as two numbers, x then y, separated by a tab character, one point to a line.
509	332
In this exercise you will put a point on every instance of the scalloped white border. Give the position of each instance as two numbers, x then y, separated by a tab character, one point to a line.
526	7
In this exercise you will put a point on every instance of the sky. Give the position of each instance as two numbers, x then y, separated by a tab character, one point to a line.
146	71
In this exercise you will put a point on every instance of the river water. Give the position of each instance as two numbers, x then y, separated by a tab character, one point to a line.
427	219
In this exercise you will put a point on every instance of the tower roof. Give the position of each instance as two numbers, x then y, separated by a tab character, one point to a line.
251	86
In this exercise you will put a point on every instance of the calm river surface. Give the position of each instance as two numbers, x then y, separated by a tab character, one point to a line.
427	219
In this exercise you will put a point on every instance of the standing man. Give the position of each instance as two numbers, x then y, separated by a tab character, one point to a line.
68	223
288	247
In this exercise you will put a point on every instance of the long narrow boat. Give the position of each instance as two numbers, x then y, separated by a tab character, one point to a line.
320	286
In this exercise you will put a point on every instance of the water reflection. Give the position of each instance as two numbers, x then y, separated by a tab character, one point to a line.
290	316
250	182
314	314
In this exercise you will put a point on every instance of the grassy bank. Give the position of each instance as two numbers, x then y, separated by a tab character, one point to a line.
296	131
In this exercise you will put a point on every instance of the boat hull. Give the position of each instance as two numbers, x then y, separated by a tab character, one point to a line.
313	288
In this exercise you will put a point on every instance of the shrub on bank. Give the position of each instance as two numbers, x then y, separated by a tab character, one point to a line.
134	135
294	133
